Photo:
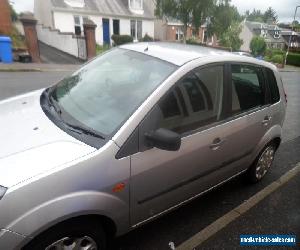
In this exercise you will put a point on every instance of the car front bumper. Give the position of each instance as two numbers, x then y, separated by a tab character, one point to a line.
10	240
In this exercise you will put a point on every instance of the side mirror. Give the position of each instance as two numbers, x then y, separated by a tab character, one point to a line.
164	139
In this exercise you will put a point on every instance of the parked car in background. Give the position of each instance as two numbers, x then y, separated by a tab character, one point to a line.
135	133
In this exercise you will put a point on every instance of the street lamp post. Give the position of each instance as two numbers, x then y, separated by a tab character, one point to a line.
290	39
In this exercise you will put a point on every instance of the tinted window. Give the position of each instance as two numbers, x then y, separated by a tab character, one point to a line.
194	102
272	83
247	88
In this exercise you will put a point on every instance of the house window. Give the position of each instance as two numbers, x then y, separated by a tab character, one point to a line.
179	34
116	27
136	4
139	30
136	29
77	24
133	29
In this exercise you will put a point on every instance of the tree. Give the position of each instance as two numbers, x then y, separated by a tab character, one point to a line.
230	38
258	46
223	15
270	16
192	12
224	23
255	16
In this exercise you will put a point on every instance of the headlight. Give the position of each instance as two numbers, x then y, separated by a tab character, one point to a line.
2	191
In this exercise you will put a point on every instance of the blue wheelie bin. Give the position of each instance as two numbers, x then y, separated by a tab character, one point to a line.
6	55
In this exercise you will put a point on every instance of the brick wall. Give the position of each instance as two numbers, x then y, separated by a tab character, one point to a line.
5	19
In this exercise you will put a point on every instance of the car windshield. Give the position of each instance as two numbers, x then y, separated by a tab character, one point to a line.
104	93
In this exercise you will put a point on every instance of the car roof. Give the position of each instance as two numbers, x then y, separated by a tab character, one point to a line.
176	53
180	54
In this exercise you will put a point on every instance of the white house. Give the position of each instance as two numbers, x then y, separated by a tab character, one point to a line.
123	17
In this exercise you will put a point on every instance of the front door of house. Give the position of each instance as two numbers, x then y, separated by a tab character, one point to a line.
106	36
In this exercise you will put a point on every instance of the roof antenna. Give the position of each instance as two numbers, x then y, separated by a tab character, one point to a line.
147	48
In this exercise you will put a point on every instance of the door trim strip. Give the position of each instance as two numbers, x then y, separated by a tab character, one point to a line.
186	201
195	178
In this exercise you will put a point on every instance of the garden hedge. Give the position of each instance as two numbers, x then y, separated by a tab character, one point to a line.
121	39
293	59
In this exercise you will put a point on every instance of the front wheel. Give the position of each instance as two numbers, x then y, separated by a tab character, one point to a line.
71	235
262	164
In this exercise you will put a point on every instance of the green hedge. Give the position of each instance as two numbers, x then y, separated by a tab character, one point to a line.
121	39
277	59
147	38
293	59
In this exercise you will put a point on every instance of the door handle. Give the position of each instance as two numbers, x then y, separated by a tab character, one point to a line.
266	120
216	144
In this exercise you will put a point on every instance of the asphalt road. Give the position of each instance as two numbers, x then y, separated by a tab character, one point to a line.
180	225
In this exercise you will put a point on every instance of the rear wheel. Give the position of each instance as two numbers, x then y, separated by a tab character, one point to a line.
79	235
262	164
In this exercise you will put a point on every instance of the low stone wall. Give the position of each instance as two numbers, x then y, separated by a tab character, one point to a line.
66	42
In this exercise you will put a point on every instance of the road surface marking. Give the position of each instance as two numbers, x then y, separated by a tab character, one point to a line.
223	221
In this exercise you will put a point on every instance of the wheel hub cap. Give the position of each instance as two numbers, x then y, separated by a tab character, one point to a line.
80	243
264	162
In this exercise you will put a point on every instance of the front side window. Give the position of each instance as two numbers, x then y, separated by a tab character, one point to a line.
104	93
247	88
195	101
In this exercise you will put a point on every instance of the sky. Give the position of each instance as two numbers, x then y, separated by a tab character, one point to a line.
284	8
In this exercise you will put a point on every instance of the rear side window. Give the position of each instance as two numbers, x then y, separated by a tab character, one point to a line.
272	83
247	88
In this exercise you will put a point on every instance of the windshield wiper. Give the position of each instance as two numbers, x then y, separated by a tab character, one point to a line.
82	130
52	103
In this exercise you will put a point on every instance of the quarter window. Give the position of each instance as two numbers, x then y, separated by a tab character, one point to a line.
272	83
194	102
247	88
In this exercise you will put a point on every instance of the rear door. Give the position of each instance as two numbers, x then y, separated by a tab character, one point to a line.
248	114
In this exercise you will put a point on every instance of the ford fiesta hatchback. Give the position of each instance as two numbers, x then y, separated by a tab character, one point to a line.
136	132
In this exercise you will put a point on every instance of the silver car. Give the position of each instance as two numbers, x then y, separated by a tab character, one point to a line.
135	133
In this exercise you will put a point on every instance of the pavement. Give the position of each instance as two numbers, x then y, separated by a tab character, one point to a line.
276	213
36	67
289	68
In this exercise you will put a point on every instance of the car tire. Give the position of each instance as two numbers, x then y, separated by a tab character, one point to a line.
72	234
262	164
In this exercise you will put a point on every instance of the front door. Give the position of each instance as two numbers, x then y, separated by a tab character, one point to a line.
162	179
106	33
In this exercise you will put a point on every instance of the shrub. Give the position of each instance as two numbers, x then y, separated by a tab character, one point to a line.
101	49
258	46
293	59
267	58
121	39
147	38
277	59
